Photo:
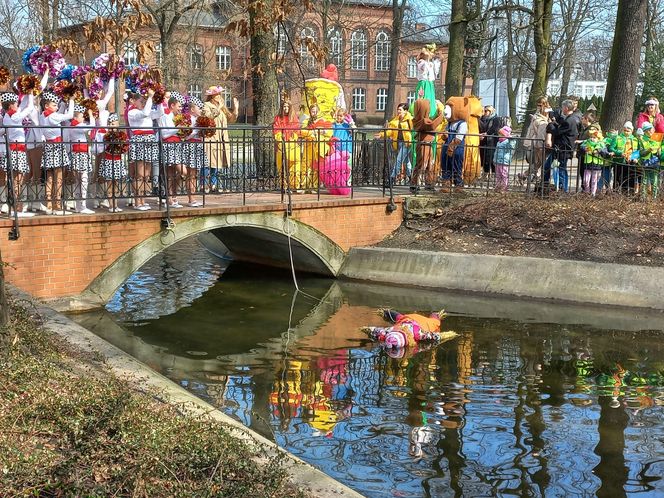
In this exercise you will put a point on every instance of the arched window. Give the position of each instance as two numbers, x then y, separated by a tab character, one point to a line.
336	48
196	57
381	99
383	45
223	58
412	67
130	55
358	50
359	99
411	98
307	58
195	90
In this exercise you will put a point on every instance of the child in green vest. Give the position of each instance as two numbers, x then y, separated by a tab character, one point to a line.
593	150
622	149
604	184
649	161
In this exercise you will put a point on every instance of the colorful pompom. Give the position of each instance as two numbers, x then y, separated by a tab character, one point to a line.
116	141
207	126
67	72
25	60
5	75
28	83
183	122
47	56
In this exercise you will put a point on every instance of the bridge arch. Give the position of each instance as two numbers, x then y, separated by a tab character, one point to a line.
262	237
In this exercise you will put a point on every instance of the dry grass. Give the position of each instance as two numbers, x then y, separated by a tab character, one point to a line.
64	432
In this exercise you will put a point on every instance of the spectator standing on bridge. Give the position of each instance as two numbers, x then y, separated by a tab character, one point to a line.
56	156
16	139
143	146
219	146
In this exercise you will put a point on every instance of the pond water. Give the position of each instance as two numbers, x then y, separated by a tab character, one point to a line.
531	399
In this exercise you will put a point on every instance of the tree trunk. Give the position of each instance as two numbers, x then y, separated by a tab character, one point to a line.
265	89
4	310
568	62
624	67
542	14
398	9
456	50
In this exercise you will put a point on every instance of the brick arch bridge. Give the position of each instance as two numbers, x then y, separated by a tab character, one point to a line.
84	259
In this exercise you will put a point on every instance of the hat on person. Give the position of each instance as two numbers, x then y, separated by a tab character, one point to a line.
112	117
646	126
214	90
8	97
178	97
79	108
628	125
505	131
652	102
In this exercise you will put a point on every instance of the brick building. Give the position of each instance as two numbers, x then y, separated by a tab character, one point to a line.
358	39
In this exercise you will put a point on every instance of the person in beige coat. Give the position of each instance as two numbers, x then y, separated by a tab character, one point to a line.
534	140
218	148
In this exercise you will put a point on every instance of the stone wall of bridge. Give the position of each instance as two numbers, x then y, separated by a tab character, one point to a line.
58	257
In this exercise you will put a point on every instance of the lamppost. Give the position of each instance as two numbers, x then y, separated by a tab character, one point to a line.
495	65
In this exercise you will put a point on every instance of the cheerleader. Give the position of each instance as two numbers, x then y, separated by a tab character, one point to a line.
195	158
112	168
102	122
144	147
35	147
172	145
76	136
55	158
15	135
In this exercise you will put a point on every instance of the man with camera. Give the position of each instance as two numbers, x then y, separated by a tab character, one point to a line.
562	132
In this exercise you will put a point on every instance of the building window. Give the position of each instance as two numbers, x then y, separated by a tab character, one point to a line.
223	58
359	99
412	67
158	54
381	99
227	96
195	90
411	98
281	40
358	50
306	56
382	51
196	57
130	55
336	46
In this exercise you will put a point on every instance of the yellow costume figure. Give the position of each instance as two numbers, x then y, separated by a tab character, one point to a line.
316	133
469	109
286	129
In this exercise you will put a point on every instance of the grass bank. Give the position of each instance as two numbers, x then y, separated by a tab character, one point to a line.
69	427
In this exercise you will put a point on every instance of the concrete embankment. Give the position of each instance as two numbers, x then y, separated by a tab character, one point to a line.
563	280
140	375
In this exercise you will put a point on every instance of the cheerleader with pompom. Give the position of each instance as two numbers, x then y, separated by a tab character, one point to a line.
55	157
33	139
13	123
172	147
76	136
102	122
112	168
195	158
144	146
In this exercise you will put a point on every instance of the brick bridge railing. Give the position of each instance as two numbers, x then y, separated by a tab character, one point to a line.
73	256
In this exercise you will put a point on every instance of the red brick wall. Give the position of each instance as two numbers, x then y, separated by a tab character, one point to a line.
57	257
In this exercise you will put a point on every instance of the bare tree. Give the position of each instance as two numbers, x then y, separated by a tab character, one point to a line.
461	16
624	67
398	10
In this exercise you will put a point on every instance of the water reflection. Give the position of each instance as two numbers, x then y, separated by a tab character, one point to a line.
535	405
